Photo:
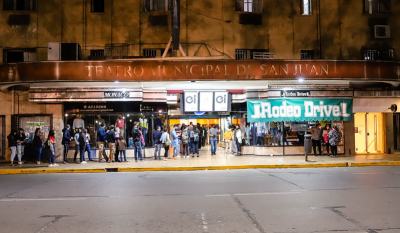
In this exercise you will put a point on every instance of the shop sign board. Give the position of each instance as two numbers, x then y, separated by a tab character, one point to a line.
206	101
299	110
295	93
191	99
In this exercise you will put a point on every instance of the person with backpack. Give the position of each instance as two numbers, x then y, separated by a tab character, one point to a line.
136	134
175	141
121	144
185	141
157	143
50	146
76	139
166	142
195	140
38	143
66	140
190	129
82	145
213	133
228	141
12	144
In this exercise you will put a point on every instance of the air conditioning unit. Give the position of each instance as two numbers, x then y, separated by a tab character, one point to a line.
382	31
57	51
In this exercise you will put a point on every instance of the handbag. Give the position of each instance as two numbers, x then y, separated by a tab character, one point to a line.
167	143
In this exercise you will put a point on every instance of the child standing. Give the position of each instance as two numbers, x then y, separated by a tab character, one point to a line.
122	148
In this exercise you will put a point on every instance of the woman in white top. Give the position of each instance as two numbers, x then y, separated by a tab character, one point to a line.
238	140
165	138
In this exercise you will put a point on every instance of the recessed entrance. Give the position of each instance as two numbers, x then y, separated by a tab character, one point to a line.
369	133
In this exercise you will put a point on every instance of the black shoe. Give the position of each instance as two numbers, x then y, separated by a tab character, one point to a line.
316	155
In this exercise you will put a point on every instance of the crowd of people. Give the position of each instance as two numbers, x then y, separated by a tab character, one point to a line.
331	137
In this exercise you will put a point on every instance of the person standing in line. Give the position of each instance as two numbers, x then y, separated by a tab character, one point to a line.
316	139
165	141
38	143
20	144
51	142
88	144
12	144
76	138
157	143
111	142
228	141
238	140
117	134
121	144
179	132
234	145
325	136
195	140
101	142
82	146
204	136
334	140
181	144
66	140
175	141
213	133
185	141
190	129
136	134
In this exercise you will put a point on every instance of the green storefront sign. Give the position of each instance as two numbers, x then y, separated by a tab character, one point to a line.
299	110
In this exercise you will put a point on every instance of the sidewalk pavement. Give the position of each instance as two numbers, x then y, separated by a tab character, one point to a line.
208	162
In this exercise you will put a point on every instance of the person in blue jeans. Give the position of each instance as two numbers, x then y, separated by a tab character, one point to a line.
88	145
38	143
175	141
213	133
136	141
195	140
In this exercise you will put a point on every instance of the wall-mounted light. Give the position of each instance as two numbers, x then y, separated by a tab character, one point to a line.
301	80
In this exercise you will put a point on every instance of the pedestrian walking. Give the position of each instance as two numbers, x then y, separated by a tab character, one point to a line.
185	141
157	143
12	144
82	146
76	139
316	139
66	140
195	140
111	143
228	141
325	136
51	142
88	145
166	142
175	141
38	144
334	139
213	134
121	144
20	144
101	142
136	134
238	140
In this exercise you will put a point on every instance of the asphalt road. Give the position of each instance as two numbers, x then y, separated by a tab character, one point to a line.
281	200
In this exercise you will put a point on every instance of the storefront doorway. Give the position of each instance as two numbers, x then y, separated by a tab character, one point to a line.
369	133
2	136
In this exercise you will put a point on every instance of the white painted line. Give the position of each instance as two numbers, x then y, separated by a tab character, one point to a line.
256	194
43	199
219	195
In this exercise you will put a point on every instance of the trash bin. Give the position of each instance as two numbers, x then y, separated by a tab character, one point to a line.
307	144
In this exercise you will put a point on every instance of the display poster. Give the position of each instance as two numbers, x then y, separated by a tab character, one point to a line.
299	110
191	99
206	101
221	101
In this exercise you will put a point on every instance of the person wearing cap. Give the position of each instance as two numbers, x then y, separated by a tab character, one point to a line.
66	140
101	142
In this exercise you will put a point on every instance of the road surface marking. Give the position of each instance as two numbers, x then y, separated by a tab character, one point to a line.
205	227
44	199
251	194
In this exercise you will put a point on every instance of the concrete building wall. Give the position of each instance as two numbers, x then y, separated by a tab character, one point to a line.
337	29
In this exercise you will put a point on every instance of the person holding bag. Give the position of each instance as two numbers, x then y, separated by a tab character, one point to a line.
167	142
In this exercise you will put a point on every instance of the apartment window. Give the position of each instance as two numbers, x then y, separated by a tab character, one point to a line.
307	54
116	50
377	6
97	6
376	54
247	54
19	5
158	5
19	55
97	53
242	54
249	5
149	52
306	7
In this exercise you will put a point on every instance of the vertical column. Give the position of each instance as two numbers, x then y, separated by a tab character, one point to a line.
389	135
349	138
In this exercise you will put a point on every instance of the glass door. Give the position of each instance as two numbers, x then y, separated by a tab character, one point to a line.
369	133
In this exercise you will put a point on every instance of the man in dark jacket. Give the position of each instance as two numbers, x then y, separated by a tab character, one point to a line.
12	144
157	143
200	134
66	140
111	142
136	141
204	136
101	142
